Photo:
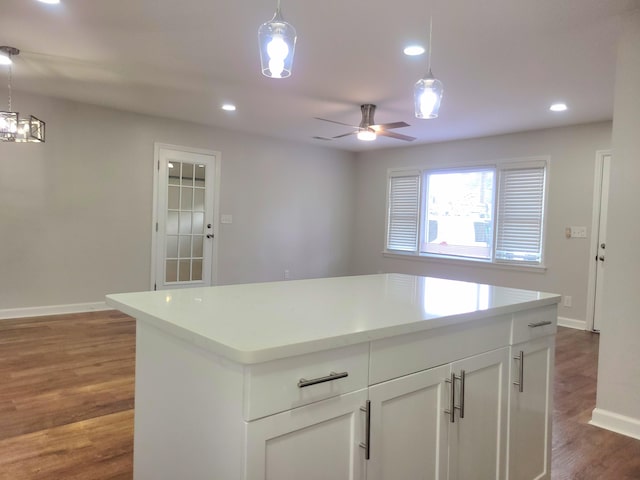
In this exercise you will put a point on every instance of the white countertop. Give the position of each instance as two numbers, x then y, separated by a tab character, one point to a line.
258	322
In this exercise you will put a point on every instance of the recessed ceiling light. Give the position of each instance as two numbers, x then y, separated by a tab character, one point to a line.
52	2
413	50
229	107
558	107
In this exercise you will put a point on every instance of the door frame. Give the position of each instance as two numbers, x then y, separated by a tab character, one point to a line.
157	146
595	234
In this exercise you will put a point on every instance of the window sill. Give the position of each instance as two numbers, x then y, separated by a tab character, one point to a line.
466	262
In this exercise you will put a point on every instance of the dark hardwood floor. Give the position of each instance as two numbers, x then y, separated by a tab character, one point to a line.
66	403
581	451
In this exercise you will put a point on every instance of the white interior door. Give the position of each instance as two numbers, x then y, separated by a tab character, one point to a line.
184	231
600	236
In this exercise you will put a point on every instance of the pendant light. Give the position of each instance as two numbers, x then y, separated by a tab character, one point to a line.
12	127
427	93
277	40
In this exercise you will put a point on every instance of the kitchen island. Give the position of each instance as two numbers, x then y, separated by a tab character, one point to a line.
384	376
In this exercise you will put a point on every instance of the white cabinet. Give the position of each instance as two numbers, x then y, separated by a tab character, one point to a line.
314	442
413	437
409	428
477	442
530	409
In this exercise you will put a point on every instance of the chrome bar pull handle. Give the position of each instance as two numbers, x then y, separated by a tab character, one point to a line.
367	430
314	381
451	411
520	382
462	382
540	324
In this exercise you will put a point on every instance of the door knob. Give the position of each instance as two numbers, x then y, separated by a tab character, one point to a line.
601	258
602	246
209	235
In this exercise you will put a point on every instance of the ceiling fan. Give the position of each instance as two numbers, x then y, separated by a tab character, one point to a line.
369	129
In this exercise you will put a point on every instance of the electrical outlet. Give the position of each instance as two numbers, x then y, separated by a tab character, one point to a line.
567	301
287	275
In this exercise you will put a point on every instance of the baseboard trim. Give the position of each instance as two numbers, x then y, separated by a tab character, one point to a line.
572	323
615	422
52	310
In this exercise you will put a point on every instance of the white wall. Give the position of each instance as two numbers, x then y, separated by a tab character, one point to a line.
618	399
572	151
75	212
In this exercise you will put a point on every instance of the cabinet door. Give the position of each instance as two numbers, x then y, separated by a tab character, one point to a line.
477	442
316	442
408	427
530	410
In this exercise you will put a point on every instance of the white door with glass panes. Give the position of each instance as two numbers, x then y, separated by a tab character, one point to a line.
185	219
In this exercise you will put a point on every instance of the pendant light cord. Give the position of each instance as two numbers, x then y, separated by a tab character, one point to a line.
10	74
430	31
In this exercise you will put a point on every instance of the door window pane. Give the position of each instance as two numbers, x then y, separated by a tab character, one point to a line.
199	174
174	173
185	246
198	223
174	198
187	198
171	274
198	200
172	223
197	246
172	246
184	272
196	272
185	222
187	174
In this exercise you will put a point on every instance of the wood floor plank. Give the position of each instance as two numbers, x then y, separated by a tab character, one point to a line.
67	387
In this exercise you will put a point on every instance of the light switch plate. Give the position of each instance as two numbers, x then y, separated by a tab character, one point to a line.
226	218
578	232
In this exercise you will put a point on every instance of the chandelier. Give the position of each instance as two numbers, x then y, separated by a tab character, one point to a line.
14	128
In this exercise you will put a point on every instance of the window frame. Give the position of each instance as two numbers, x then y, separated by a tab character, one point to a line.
498	167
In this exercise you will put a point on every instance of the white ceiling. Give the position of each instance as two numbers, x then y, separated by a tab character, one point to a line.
502	62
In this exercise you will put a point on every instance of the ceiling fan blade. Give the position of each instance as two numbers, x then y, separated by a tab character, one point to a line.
346	134
333	121
389	126
398	136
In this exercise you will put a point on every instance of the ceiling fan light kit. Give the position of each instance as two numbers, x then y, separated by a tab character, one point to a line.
366	134
277	40
12	127
368	129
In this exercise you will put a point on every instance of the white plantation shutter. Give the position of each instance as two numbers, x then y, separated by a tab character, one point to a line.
403	216
520	216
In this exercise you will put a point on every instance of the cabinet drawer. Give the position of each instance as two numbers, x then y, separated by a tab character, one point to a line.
405	354
534	323
275	386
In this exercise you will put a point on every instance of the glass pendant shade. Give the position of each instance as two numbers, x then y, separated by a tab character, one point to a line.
427	96
277	40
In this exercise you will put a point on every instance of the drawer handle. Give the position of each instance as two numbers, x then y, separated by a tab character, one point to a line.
540	324
332	376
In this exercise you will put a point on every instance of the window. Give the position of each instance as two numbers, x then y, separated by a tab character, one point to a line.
492	213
